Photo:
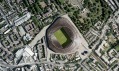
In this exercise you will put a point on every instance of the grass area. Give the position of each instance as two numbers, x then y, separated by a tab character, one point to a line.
62	1
35	20
62	37
97	9
117	48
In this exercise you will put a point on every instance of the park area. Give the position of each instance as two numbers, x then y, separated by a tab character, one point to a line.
62	37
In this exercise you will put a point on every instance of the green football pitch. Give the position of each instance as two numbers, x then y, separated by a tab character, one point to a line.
62	37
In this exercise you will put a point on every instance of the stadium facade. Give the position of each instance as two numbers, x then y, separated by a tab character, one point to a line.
77	43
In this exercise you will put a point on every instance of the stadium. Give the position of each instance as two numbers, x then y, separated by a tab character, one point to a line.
62	36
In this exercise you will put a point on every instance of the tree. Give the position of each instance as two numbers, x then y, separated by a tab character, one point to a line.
1	1
36	7
26	3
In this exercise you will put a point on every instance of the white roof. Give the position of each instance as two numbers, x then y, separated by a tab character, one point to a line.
22	19
28	50
116	68
105	57
19	53
100	47
22	31
27	37
7	31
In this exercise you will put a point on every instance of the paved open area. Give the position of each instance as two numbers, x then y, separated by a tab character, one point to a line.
38	37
